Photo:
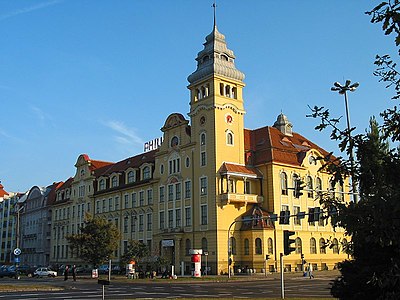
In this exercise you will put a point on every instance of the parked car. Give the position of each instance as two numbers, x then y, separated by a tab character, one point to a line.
27	270
103	269
40	272
8	271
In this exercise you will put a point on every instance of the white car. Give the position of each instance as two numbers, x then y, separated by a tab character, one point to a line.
44	272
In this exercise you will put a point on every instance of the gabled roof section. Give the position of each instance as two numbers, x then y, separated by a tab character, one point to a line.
269	144
93	164
52	192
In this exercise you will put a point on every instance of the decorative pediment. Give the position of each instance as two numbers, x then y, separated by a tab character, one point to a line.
174	120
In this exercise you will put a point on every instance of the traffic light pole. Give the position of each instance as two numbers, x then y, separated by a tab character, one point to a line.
282	282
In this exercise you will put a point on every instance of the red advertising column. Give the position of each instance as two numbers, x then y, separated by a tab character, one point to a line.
196	261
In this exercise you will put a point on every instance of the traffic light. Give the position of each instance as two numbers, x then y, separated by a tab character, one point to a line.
230	261
266	257
298	188
317	214
284	217
311	215
287	242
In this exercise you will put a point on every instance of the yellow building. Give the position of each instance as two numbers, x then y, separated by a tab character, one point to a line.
209	178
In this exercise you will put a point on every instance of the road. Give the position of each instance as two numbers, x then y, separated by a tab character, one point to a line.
245	287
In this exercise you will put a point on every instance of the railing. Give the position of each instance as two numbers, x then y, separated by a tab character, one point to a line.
240	198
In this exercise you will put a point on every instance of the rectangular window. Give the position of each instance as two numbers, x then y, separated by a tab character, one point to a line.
170	192
178	217
141	222
150	197
204	215
170	218
178	188
126	224
203	186
188	189
98	206
104	206
133	200
116	203
133	223
110	204
125	246
162	194
141	198
162	220
149	222
188	216
202	159
126	201
79	210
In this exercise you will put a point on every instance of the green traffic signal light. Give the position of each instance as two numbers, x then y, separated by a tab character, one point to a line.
287	242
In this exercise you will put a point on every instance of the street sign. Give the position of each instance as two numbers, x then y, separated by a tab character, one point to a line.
17	251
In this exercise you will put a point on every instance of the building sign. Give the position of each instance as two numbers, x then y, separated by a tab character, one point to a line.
167	243
153	144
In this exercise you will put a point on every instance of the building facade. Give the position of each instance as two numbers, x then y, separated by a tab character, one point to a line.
211	181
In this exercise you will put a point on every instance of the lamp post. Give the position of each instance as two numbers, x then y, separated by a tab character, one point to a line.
342	89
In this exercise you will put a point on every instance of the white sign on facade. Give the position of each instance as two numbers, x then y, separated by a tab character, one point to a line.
167	243
153	144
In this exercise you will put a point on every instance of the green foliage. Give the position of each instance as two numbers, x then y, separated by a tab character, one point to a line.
136	251
96	241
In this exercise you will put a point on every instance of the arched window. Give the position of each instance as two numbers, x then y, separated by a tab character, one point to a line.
102	184
227	90
202	139
188	246
332	188
246	247
204	244
298	246
310	192
270	246
284	186
233	245
146	173
318	186
131	176
322	246
341	190
313	246
295	183
258	245
335	246
229	138
345	245
114	181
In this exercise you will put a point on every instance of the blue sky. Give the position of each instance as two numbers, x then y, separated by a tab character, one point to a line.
100	77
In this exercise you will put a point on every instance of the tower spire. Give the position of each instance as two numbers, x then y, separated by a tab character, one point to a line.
215	12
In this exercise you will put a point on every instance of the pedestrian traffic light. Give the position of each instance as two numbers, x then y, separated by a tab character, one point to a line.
266	257
302	256
284	217
287	242
230	261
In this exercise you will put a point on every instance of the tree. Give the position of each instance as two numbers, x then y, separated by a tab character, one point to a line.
96	240
136	251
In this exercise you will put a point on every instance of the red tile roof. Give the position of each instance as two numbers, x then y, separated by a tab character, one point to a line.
2	191
229	168
269	144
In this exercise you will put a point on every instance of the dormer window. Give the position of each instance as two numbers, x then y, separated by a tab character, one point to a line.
224	57
82	173
114	181
102	184
146	173
131	176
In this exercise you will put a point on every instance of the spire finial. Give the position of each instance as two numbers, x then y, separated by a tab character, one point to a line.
215	12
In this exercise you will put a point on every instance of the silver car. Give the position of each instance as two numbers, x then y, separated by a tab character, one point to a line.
43	271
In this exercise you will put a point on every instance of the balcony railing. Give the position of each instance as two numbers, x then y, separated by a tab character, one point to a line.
240	198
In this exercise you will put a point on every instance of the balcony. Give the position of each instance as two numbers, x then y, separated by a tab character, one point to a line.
241	199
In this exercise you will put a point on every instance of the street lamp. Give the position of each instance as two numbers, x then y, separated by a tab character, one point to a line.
342	89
